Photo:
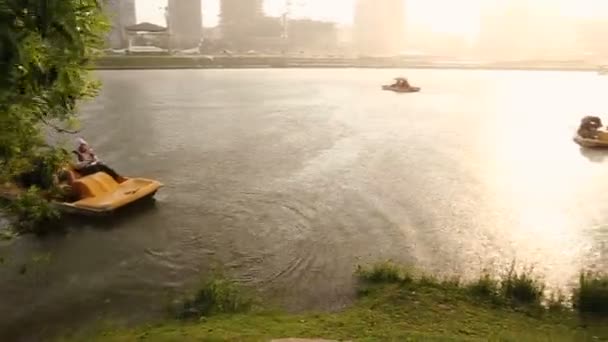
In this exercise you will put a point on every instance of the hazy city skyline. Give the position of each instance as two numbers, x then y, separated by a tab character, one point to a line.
342	11
459	18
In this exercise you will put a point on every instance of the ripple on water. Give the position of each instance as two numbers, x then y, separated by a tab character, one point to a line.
278	240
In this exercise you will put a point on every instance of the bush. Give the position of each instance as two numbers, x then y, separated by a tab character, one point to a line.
485	287
557	301
515	288
385	272
33	213
591	296
216	296
41	169
522	287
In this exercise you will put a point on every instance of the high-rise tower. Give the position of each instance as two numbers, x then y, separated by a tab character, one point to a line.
239	20
122	14
379	27
185	21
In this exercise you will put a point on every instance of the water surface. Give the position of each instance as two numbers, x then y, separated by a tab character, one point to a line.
290	178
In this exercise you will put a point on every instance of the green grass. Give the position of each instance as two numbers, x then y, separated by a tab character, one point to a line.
385	272
394	305
516	288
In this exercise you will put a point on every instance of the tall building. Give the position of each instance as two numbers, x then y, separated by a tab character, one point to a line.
520	29
122	14
240	21
312	35
379	27
506	29
185	22
589	34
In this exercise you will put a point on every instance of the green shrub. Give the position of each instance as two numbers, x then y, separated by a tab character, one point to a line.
216	296
522	287
385	272
485	287
33	213
591	296
557	301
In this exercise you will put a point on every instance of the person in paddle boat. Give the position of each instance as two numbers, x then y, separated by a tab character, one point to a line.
401	83
589	128
89	164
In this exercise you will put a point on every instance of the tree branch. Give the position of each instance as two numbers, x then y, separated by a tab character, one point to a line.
56	128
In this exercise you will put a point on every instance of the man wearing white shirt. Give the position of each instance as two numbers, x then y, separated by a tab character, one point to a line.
89	164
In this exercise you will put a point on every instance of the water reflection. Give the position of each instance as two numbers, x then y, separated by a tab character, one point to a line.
124	121
594	155
123	217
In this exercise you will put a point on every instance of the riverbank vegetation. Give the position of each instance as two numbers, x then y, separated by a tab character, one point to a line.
398	304
45	50
161	60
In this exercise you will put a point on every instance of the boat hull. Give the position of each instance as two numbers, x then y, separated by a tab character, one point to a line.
102	195
401	90
590	143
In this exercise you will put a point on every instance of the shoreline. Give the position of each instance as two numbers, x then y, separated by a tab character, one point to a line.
204	62
393	303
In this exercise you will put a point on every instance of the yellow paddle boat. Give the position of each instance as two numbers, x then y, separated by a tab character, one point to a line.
401	85
98	194
401	89
593	143
591	134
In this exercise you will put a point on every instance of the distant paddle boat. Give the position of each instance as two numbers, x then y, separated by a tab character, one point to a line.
590	133
401	85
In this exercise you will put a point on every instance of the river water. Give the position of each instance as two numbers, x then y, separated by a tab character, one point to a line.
287	179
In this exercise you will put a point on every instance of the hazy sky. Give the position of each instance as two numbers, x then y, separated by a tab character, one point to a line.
459	17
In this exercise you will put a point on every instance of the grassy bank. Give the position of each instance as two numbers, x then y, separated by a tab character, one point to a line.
394	304
238	62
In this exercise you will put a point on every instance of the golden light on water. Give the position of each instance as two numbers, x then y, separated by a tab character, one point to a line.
551	187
